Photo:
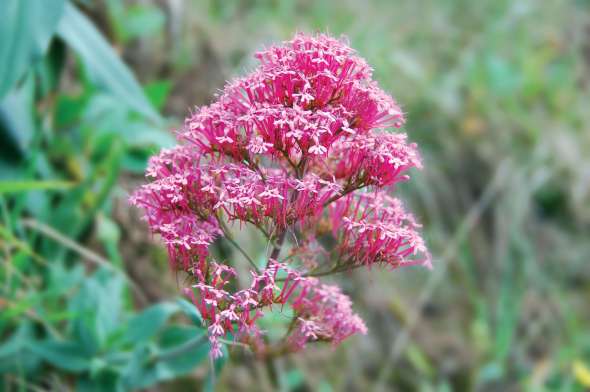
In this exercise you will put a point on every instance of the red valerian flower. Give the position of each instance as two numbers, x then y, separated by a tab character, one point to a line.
303	145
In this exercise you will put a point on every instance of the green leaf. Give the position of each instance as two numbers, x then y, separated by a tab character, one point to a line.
157	92
50	69
101	382
107	117
191	311
142	21
69	109
107	230
97	306
145	369
68	356
139	135
14	355
139	373
26	27
135	21
17	341
61	280
104	66
17	121
145	325
178	335
24	186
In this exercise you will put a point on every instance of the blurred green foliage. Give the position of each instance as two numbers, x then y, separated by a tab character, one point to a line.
65	325
497	96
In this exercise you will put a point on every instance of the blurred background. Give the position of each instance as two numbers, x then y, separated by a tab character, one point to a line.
497	95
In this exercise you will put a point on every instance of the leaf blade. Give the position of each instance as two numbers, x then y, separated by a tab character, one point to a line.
17	186
26	27
103	64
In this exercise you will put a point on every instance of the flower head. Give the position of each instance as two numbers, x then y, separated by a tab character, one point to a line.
324	314
302	145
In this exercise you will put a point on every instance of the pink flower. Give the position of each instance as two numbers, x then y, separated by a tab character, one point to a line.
323	313
374	228
376	158
301	149
258	145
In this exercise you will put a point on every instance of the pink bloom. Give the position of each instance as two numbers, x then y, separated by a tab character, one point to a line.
374	228
258	145
376	158
302	149
324	313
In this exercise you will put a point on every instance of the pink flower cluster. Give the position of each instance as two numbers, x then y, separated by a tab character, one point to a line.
325	313
373	228
300	145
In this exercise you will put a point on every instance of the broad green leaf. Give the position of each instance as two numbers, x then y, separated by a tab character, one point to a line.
49	70
17	121
104	381
139	135
26	27
69	356
107	230
177	335
14	355
61	280
139	373
135	21
104	66
105	116
142	21
97	306
191	311
17	341
68	109
24	186
145	325
158	92
134	161
145	369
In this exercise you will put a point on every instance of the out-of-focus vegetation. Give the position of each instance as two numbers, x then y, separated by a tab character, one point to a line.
497	94
74	121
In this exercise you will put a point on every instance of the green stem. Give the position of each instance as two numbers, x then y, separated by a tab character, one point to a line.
229	238
243	252
277	249
334	270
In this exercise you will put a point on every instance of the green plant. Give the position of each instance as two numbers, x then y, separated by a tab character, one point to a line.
68	318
